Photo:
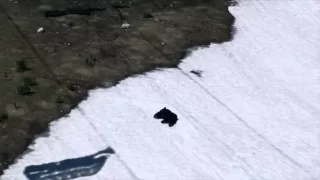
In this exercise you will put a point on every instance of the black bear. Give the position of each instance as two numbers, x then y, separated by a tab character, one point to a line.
167	116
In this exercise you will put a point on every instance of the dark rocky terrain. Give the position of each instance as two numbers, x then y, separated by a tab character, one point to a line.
44	75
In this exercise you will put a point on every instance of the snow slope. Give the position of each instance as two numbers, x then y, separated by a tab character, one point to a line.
254	113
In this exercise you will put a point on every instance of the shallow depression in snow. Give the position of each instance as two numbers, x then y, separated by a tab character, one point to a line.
252	114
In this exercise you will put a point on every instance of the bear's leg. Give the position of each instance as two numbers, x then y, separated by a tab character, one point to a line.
163	121
172	124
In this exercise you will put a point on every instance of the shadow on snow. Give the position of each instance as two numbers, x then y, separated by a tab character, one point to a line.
69	168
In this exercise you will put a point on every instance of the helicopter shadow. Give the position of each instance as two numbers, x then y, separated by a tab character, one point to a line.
69	168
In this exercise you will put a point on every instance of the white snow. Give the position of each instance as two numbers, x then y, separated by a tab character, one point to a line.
254	113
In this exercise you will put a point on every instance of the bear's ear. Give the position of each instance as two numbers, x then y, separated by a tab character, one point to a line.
164	108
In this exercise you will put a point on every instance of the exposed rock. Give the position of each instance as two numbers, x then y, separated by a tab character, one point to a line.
125	26
40	30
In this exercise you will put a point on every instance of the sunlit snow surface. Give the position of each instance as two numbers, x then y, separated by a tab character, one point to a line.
254	113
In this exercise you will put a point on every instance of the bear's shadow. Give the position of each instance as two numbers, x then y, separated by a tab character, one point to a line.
168	117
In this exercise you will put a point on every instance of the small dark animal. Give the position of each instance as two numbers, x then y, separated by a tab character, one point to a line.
167	116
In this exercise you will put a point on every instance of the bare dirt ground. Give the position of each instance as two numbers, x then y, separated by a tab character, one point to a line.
44	75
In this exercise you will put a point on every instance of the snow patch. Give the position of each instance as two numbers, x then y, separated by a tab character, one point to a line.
253	114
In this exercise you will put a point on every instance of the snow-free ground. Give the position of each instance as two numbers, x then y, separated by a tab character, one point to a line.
254	113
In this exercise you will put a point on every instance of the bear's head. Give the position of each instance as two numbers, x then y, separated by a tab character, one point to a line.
161	114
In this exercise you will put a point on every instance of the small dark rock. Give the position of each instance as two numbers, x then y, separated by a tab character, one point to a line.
70	24
197	72
72	87
147	15
3	116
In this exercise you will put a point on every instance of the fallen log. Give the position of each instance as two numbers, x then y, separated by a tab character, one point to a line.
119	6
57	13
